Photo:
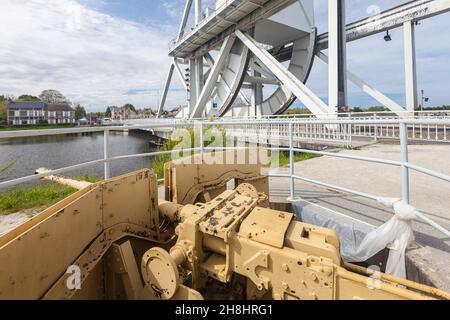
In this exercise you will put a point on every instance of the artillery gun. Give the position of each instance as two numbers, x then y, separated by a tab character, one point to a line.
206	240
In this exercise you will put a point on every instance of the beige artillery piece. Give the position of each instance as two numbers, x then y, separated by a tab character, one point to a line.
116	240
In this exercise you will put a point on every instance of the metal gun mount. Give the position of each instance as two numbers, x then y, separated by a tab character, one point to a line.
205	241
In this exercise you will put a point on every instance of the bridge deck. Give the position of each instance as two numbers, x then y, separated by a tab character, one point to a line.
232	14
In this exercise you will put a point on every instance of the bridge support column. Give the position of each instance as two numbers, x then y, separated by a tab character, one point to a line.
410	66
337	75
166	89
257	97
195	81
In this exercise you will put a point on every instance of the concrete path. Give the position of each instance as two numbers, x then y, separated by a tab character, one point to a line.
11	221
430	195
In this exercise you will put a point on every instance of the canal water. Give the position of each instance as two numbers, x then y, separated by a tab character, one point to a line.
55	152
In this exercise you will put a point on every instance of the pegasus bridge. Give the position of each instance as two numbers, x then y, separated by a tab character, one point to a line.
244	63
382	178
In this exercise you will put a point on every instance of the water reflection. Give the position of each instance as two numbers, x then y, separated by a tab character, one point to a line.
61	151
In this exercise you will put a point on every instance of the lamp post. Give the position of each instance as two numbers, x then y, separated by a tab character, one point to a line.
424	99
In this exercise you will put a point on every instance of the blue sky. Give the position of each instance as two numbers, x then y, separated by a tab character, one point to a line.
103	52
142	11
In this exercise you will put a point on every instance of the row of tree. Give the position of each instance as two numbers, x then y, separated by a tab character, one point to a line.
47	96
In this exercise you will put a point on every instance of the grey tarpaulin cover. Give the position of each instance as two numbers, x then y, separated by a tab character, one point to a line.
360	241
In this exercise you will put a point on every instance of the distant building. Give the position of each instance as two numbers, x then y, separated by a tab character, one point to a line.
122	113
145	113
92	118
60	114
115	114
174	112
36	112
25	113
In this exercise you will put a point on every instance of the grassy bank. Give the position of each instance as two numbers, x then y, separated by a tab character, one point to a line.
43	196
37	127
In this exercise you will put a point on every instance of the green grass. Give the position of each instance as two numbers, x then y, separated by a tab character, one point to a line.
38	127
41	196
158	162
89	178
285	159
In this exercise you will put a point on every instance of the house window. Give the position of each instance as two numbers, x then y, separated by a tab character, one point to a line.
16	113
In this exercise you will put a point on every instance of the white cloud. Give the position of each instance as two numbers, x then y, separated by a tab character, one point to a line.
96	59
380	63
173	8
91	57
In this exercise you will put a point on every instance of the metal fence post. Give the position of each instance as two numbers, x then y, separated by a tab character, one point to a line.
106	154
202	142
350	135
291	162
375	127
405	160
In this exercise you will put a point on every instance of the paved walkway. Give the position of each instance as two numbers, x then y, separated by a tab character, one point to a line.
430	195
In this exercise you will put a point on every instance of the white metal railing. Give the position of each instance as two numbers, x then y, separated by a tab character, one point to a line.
307	128
404	125
426	114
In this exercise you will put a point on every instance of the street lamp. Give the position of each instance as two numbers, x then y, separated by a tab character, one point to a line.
424	99
387	37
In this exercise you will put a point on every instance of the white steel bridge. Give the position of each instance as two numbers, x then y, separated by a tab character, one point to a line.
253	58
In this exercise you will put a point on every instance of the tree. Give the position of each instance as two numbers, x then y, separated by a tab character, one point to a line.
7	97
27	98
298	111
80	112
108	113
3	104
129	106
378	109
53	97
